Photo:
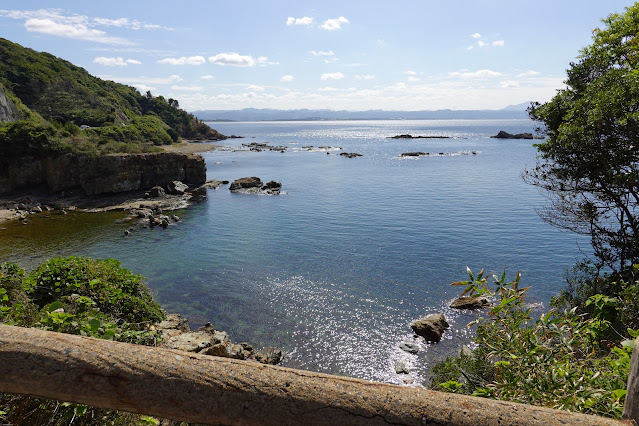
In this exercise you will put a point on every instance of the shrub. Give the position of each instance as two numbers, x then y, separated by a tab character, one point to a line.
557	360
96	298
116	291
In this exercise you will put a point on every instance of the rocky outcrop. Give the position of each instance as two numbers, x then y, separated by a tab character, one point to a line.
407	136
8	110
431	327
103	175
206	340
350	154
413	154
254	185
505	135
466	302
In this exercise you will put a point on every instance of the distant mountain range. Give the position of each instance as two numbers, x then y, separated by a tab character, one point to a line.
252	114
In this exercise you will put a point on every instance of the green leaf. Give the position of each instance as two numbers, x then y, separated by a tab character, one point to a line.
55	305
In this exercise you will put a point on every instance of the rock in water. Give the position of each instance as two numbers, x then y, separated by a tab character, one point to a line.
409	347
430	327
246	183
350	154
400	368
466	302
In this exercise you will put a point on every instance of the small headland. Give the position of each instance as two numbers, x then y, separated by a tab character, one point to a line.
407	136
505	135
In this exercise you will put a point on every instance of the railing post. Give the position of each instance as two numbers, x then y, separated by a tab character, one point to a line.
631	406
205	389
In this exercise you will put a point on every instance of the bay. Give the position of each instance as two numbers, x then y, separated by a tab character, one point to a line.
335	268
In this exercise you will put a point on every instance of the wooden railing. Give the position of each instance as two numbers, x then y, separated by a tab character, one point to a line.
204	389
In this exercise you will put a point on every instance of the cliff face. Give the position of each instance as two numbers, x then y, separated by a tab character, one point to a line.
8	111
103	175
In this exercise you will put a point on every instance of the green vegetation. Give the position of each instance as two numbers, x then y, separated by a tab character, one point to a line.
589	162
54	98
560	359
82	296
577	355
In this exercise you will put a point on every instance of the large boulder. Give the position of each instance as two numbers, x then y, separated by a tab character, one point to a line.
176	188
246	183
466	302
430	327
194	341
269	355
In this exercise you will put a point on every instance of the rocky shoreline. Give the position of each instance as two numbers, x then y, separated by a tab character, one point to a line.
20	204
206	340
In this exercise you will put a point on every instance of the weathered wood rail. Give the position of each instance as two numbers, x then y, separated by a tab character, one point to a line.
203	389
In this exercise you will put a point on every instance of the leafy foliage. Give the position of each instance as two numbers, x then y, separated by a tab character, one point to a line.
51	93
560	360
589	162
83	296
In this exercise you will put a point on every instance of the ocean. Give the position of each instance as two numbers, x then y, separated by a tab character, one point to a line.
334	269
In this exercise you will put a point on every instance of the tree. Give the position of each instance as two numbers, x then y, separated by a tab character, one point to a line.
588	164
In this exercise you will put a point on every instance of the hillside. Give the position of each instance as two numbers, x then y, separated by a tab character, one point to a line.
62	108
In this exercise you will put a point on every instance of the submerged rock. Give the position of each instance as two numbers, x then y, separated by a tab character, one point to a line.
410	347
431	327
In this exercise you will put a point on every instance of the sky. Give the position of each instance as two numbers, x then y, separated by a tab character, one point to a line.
340	55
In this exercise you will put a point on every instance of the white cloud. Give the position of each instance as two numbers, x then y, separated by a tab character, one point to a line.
332	76
188	88
237	60
191	60
255	88
299	21
115	62
476	35
80	27
74	31
327	89
498	43
232	59
207	77
474	74
129	23
287	78
263	61
530	73
413	73
413	79
322	53
145	81
507	84
334	24
481	43
365	77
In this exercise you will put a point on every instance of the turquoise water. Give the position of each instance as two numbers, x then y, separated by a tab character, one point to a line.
334	269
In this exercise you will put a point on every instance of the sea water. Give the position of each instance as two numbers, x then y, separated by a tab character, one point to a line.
334	269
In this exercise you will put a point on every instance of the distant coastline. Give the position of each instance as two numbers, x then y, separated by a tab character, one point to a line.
254	114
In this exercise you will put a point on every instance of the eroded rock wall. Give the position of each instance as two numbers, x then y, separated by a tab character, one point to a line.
103	175
8	111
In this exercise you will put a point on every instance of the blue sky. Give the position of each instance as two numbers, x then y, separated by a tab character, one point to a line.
353	55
